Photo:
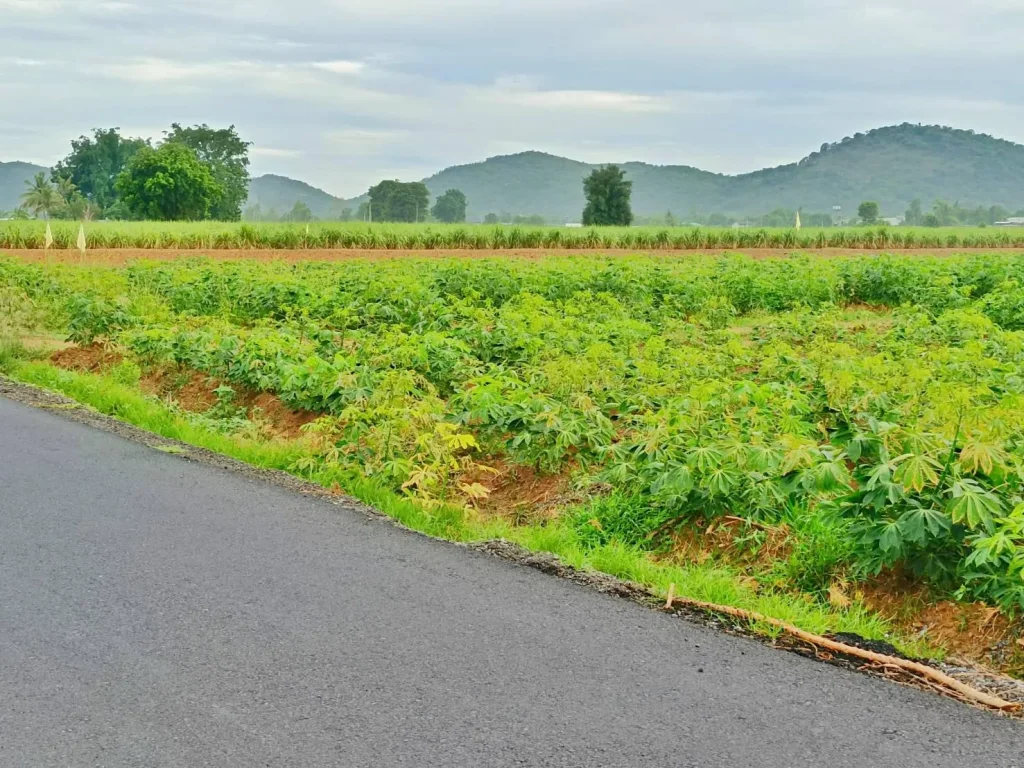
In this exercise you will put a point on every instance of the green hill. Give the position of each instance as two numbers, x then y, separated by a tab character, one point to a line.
279	193
892	165
12	182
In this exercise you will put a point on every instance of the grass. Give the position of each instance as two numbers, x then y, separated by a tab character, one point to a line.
226	235
707	582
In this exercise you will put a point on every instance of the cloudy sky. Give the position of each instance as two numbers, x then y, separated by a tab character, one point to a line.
342	93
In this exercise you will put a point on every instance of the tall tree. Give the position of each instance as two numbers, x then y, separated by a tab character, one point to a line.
95	163
299	212
228	158
450	207
41	197
868	211
608	193
395	201
914	215
167	184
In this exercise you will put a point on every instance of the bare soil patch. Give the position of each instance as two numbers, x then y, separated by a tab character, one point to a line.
193	391
91	358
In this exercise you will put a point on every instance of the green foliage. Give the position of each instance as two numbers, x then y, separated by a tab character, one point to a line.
40	197
672	392
168	184
398	201
299	212
227	157
867	212
607	193
96	162
450	207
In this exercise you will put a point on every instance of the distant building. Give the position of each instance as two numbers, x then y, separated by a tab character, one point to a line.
573	224
1013	221
894	221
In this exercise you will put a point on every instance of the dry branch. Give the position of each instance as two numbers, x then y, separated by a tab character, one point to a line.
930	675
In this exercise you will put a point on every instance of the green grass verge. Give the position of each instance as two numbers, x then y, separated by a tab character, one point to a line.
707	582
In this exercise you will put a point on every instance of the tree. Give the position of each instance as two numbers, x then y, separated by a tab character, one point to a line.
450	207
607	193
363	211
96	162
868	211
299	212
944	213
228	159
167	184
914	215
491	218
395	201
41	197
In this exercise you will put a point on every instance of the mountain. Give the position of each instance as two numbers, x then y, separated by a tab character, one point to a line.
892	165
279	193
12	182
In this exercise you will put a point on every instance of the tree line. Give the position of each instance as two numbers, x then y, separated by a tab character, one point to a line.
193	173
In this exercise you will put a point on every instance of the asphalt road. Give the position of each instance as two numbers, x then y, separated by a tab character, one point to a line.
159	612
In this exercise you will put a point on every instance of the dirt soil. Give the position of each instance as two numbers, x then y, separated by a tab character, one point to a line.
972	630
119	256
193	391
86	359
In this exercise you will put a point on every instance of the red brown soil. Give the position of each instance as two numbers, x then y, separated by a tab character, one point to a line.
972	630
91	358
517	492
119	256
193	391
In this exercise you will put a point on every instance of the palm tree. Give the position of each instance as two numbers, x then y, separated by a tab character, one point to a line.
41	196
66	189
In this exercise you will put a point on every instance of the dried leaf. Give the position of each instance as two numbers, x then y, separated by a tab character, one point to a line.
837	597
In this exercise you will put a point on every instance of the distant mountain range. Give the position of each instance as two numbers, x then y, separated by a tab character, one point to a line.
12	182
892	165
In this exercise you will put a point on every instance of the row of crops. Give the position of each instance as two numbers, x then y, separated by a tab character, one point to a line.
32	235
873	405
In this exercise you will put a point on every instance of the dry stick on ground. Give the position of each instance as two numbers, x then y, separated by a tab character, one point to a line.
932	676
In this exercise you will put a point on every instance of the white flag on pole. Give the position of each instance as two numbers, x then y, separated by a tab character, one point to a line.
49	237
81	239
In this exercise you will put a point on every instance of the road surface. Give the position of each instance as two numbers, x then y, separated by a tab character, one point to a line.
160	612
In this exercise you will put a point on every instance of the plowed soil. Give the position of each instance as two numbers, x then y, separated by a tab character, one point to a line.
117	256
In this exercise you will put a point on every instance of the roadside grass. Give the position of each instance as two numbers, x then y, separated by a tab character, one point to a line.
709	582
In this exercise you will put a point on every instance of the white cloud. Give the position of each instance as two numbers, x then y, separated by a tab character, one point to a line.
381	88
341	67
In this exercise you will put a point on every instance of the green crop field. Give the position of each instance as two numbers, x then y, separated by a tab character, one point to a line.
218	235
872	408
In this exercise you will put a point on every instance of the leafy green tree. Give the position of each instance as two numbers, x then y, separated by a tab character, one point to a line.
96	162
450	207
397	201
868	211
607	193
997	213
228	158
914	215
491	218
930	220
945	213
41	197
363	211
299	212
167	184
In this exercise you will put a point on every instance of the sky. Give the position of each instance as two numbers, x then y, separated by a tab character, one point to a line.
343	93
